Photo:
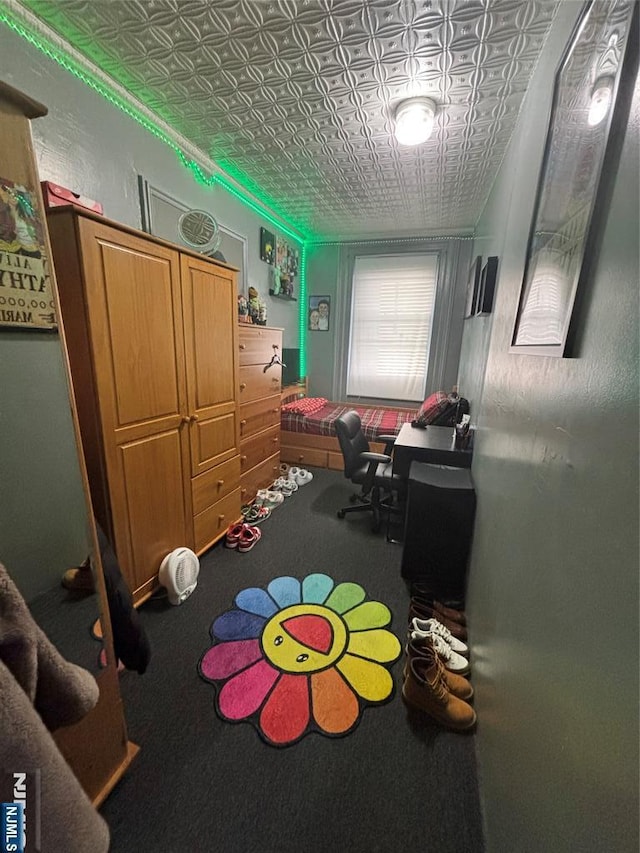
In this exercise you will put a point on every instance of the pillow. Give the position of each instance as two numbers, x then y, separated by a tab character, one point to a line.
433	405
305	406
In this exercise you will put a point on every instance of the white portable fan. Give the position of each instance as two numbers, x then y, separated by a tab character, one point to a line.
199	230
179	574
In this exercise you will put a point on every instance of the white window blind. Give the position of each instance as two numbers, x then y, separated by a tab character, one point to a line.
392	304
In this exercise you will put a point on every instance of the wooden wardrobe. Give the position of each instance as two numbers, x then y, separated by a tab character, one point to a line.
153	346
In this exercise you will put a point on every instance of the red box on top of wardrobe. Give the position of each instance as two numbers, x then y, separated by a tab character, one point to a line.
54	196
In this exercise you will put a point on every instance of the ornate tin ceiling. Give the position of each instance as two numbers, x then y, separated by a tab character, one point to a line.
295	97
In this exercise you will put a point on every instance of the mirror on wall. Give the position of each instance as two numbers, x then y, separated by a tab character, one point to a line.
44	526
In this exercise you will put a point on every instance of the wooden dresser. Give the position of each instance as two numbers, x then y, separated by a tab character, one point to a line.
152	336
259	399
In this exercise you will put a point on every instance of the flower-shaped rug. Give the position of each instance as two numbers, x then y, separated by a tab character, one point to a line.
301	656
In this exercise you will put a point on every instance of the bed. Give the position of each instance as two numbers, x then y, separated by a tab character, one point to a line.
308	438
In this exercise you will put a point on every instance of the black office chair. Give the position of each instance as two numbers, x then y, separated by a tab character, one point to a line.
373	472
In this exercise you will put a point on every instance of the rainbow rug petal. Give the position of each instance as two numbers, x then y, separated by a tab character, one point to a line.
301	656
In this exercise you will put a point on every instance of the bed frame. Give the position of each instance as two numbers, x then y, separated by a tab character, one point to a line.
321	451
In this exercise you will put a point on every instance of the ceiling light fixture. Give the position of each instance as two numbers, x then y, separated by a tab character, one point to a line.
414	120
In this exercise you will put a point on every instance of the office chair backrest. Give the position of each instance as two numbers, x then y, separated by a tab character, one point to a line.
352	440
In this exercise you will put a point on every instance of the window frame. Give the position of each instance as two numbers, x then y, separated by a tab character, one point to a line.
452	256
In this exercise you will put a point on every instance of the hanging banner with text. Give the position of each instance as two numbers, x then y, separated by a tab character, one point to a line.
26	297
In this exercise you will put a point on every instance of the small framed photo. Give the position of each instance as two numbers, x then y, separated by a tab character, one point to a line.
487	288
319	313
473	286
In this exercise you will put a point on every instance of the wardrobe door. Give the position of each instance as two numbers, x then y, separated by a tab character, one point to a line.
134	308
211	347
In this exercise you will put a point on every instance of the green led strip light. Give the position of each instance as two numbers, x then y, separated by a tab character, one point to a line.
196	170
302	314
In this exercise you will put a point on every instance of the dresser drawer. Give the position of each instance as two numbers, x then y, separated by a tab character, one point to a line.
210	525
259	477
259	415
255	383
215	484
259	447
256	344
302	456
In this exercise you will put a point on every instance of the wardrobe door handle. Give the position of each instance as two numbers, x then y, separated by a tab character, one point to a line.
243	385
243	346
184	420
243	422
194	418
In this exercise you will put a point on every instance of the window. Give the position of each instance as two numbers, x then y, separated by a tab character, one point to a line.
392	305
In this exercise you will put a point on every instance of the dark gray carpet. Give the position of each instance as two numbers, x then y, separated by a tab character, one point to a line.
396	784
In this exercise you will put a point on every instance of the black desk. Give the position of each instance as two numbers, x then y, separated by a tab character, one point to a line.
435	445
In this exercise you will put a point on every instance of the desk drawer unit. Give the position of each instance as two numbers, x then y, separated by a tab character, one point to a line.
259	399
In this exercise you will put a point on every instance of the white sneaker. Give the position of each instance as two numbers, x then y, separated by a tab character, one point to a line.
303	477
432	626
293	473
451	660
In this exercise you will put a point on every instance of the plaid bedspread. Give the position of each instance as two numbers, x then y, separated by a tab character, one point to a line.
375	422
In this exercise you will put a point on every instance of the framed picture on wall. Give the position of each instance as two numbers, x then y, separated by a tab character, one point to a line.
591	100
473	285
319	313
487	286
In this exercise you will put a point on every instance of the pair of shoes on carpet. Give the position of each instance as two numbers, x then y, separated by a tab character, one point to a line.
286	487
242	536
300	476
452	652
268	498
430	688
255	513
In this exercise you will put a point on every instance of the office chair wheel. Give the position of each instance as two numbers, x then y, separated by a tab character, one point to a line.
340	513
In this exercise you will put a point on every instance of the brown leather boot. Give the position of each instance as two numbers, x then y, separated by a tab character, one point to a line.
425	689
448	612
79	578
456	684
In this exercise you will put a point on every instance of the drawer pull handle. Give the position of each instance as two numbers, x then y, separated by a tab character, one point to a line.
243	385
243	346
243	422
221	518
275	411
243	458
221	482
275	440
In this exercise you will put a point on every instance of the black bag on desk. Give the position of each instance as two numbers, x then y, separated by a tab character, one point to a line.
453	413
